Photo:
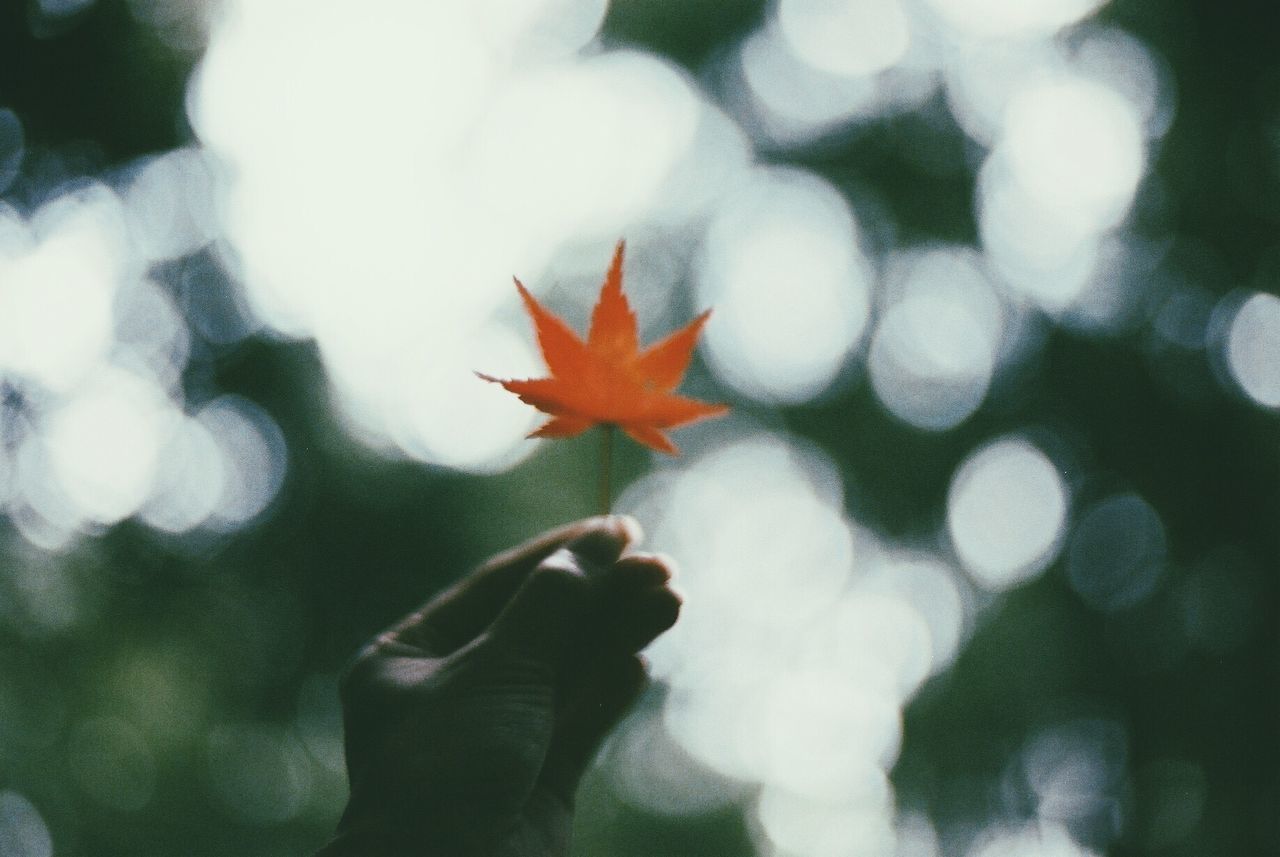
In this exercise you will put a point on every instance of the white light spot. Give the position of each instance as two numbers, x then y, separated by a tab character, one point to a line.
264	55
538	29
848	37
1124	63
718	524
1077	147
253	451
860	823
712	709
650	771
775	89
794	100
462	422
996	19
874	640
717	158
1043	840
151	332
781	265
56	300
934	351
525	148
917	837
170	205
982	77
558	135
932	589
1007	512
824	734
745	591
15	234
103	444
191	479
1068	154
44	519
1040	253
1253	349
1077	772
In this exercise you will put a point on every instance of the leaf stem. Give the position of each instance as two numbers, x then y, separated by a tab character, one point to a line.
606	466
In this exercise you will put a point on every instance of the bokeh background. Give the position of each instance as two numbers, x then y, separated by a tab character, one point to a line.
983	563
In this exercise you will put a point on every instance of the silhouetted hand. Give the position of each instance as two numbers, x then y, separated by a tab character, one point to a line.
469	724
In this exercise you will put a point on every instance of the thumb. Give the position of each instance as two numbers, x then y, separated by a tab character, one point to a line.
554	603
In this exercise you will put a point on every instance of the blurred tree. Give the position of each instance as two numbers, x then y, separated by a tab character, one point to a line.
356	538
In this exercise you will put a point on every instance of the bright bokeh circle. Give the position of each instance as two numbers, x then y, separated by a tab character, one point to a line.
1007	512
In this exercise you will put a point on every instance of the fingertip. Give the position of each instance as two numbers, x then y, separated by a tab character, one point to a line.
604	539
666	610
668	562
645	569
650	614
678	593
627	528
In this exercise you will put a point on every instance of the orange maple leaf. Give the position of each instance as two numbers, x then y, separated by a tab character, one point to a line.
608	380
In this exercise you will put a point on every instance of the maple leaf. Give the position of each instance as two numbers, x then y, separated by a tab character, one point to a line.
608	379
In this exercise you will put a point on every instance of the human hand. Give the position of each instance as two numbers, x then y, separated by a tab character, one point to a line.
469	723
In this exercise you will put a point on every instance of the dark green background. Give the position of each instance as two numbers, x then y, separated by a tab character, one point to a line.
354	540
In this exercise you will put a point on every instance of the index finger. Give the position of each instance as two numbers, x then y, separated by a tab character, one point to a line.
458	615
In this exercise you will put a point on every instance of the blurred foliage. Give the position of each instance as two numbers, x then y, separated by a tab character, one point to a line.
234	629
